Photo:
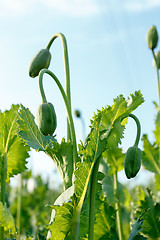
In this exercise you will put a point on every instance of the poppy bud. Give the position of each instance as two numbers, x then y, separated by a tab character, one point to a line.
152	37
132	162
46	118
77	113
40	61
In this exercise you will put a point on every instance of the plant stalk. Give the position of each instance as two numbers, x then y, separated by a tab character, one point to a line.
157	73
67	72
69	113
3	187
19	207
93	200
138	127
117	208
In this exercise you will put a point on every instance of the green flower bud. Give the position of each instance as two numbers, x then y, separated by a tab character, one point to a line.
152	37
40	61
157	56
46	118
132	162
77	113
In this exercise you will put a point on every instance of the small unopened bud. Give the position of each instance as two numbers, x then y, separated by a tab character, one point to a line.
40	60
132	162
77	113
152	37
157	56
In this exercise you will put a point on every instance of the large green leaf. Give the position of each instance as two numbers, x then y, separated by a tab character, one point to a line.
112	118
134	101
10	143
6	219
150	156
106	131
62	155
157	130
29	131
115	159
152	220
105	227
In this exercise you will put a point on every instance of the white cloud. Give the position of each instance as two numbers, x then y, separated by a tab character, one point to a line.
69	7
141	5
75	7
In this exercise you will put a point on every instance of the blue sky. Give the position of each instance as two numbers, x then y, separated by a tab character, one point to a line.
107	51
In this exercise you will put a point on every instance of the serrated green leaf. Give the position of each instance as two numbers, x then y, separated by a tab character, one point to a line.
150	156
71	211
135	100
112	124
115	159
106	131
6	219
157	130
11	144
30	133
152	216
62	155
136	228
105	227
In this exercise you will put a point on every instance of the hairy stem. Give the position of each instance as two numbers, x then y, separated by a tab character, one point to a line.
75	225
117	208
3	187
69	114
157	73
92	200
67	73
19	207
138	127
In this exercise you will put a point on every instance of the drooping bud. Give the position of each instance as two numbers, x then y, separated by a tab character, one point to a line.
157	56
152	37
46	118
77	113
40	61
132	162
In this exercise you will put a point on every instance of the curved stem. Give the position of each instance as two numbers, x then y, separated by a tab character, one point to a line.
69	114
66	68
157	73
138	127
92	200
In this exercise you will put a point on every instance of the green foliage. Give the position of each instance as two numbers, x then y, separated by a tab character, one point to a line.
136	228
7	220
62	154
29	132
34	204
102	136
11	144
94	204
152	220
105	227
